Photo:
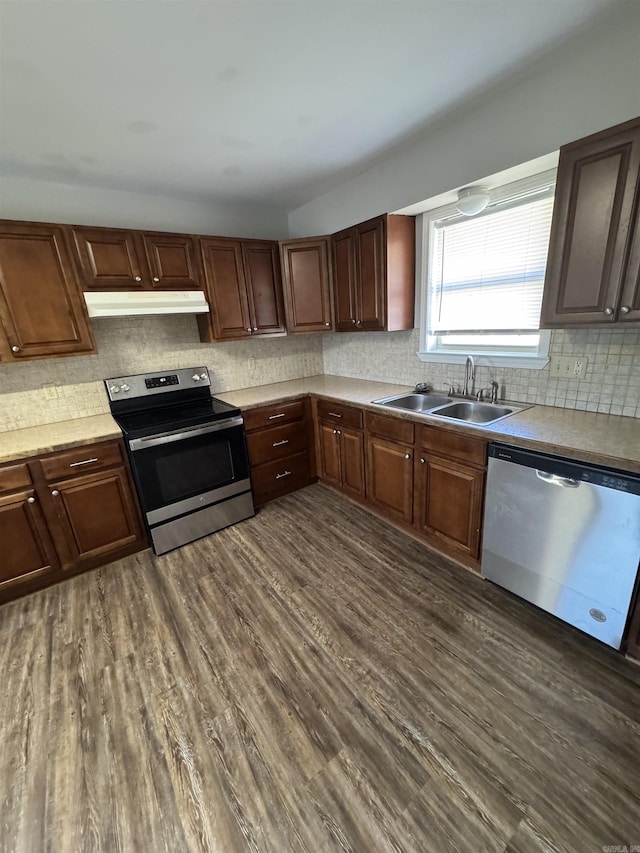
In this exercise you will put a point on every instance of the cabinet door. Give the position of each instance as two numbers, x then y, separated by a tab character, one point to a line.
110	259
630	299
449	503
264	287
633	639
226	291
173	261
306	283
343	252
370	266
329	454
41	304
390	478
352	461
592	214
97	514
27	550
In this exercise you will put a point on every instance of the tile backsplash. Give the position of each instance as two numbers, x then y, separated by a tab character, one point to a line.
611	383
38	392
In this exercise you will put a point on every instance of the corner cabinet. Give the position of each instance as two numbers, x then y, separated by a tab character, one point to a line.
306	282
593	268
42	311
374	275
244	290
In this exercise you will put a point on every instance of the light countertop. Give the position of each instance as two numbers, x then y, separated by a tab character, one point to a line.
600	439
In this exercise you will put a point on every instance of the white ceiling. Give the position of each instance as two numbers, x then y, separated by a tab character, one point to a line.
271	102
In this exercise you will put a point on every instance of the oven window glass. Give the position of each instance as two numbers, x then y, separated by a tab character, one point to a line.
193	470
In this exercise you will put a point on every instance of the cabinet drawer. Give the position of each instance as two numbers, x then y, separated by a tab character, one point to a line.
394	429
82	460
280	477
277	442
338	413
454	445
273	415
14	477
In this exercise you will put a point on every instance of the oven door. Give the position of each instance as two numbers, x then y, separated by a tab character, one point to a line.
184	470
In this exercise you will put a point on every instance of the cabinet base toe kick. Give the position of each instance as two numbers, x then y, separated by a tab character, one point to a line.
180	531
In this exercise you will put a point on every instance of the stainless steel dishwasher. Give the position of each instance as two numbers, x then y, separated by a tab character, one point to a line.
564	536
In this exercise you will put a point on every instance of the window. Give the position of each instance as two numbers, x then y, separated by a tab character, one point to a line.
483	277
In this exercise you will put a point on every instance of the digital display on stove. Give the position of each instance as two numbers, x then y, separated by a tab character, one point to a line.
162	381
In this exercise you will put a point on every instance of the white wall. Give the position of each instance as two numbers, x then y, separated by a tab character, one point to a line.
29	199
591	82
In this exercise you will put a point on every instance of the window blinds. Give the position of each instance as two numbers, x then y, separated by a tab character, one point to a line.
487	272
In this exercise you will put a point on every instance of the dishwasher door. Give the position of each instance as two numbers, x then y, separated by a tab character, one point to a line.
564	536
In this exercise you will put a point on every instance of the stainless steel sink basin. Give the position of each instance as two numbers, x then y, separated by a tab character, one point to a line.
474	413
415	402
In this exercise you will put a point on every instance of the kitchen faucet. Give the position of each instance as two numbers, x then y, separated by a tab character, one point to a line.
469	376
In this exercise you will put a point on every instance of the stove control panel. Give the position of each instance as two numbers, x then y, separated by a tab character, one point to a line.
147	384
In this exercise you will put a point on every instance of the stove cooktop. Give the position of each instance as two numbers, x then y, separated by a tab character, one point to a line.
153	421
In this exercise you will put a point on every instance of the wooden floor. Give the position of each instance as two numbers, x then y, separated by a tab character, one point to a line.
308	680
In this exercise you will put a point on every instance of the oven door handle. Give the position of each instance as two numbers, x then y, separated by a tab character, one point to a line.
170	437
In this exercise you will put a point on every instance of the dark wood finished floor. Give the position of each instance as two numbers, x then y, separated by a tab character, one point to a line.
308	680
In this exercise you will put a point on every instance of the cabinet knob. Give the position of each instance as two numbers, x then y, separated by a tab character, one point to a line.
15	349
422	460
407	456
31	500
625	309
327	324
354	322
249	329
608	311
358	322
155	278
55	493
255	329
137	278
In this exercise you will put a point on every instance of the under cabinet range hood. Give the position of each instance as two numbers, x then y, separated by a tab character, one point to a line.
145	302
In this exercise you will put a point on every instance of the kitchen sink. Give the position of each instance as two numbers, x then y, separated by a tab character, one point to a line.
475	412
441	406
415	402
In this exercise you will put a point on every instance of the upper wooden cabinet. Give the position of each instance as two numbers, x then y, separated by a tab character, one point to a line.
593	268
244	289
136	260
374	275
41	306
307	284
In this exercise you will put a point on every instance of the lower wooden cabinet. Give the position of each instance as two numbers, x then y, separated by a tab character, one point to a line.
27	549
280	449
390	478
340	441
55	522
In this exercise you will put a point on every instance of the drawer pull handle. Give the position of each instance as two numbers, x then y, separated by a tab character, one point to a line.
334	415
273	417
84	462
280	443
285	474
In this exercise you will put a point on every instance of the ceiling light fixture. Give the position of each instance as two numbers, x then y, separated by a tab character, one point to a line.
472	200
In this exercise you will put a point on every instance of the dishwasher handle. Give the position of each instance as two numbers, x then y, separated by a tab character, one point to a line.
557	480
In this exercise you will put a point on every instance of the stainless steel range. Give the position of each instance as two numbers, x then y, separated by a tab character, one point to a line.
187	451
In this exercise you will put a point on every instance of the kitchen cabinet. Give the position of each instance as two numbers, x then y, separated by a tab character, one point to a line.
374	274
112	259
244	289
56	521
449	488
307	285
390	466
341	447
633	637
42	312
593	267
280	449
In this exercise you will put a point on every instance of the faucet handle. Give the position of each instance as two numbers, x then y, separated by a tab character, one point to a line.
494	391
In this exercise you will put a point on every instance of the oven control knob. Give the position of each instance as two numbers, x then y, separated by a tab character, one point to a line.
125	387
114	389
196	377
203	376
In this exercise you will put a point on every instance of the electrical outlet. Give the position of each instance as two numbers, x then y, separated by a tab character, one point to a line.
568	367
50	392
251	362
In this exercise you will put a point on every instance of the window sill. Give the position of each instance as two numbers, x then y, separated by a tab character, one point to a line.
487	359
